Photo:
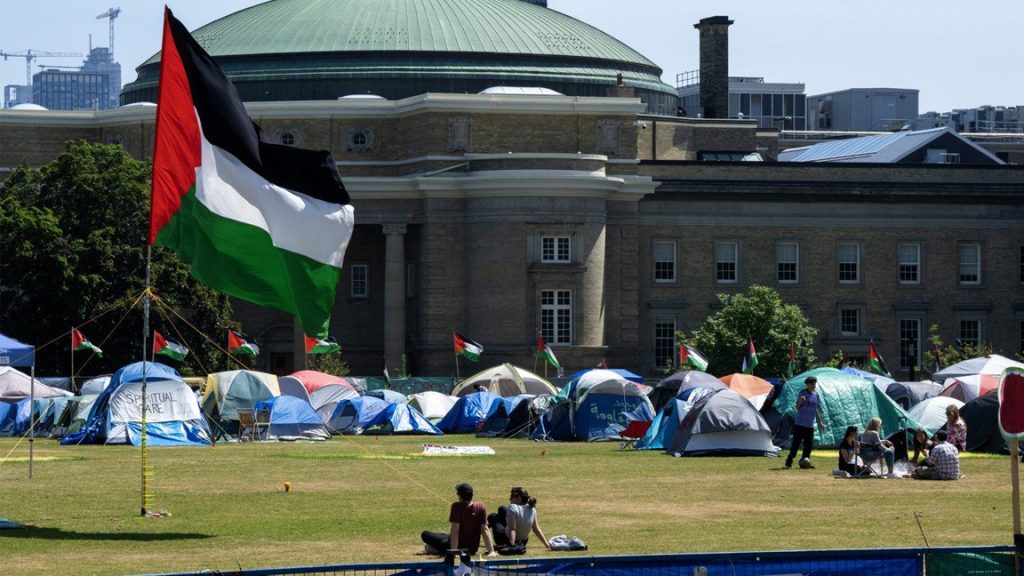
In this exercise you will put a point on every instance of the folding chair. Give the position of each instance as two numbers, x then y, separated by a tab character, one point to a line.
866	464
262	424
246	424
634	431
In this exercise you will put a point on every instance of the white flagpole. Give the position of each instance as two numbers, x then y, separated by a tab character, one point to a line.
145	338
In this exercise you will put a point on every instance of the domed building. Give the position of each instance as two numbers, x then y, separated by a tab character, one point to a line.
327	49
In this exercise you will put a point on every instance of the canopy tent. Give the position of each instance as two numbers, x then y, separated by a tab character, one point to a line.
353	415
292	418
930	414
226	392
433	405
173	417
497	420
312	380
599	405
325	398
400	418
94	386
631	376
910	394
14	417
846	400
389	396
505	380
719	422
14	353
682	381
468	413
879	380
982	418
991	364
967	388
16	385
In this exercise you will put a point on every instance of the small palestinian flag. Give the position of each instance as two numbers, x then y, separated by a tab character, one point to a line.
545	350
263	222
791	368
168	348
326	346
79	342
690	356
240	346
466	347
875	362
750	360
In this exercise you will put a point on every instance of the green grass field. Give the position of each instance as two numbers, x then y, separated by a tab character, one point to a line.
365	499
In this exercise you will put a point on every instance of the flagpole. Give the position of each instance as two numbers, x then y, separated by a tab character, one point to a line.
457	377
72	359
145	338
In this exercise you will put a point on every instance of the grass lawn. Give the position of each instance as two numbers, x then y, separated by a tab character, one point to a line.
367	499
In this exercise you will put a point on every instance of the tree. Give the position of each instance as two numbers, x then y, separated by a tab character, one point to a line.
331	363
949	353
73	246
761	315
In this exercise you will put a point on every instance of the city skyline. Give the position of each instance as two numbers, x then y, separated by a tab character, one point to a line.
867	45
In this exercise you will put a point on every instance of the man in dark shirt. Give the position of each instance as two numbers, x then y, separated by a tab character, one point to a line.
468	522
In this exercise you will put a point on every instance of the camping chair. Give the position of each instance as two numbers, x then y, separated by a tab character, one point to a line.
262	424
634	431
246	424
866	464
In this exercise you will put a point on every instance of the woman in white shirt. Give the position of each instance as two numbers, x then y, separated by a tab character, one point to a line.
512	524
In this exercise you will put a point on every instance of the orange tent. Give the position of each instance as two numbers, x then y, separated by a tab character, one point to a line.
747	385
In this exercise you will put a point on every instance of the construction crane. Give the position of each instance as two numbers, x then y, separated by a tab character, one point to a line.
112	14
30	55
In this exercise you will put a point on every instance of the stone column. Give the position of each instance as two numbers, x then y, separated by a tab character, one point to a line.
394	295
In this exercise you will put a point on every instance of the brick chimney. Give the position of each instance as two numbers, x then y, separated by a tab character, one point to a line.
714	65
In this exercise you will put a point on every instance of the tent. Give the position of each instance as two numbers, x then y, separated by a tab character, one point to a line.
505	380
719	422
312	380
909	394
14	417
292	418
62	420
750	387
967	388
353	415
293	387
670	387
846	400
400	418
930	414
16	385
389	396
14	353
468	413
598	406
173	417
991	364
982	418
879	380
226	392
94	386
46	411
433	405
523	419
632	377
326	398
498	418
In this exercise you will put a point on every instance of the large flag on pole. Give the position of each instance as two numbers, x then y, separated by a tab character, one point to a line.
750	360
79	342
690	356
263	222
545	350
239	346
466	347
875	362
168	348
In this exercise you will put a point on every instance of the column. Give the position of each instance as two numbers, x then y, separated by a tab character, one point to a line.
394	295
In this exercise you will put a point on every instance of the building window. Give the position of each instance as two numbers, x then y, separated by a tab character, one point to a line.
787	262
969	332
288	139
910	263
848	256
849	321
554	249
970	264
910	342
664	262
556	316
725	262
360	281
664	342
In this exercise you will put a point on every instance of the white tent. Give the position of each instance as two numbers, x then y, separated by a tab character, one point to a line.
505	380
433	405
931	412
16	385
991	364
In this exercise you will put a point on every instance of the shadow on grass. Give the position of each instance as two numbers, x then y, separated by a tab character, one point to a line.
58	534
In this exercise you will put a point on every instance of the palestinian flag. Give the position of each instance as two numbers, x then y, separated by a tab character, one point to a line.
690	356
466	347
875	362
168	348
79	342
240	346
791	368
750	360
545	350
265	223
324	346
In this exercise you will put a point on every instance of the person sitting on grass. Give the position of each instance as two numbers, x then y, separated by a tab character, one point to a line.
848	461
943	462
921	445
468	522
956	428
873	447
512	524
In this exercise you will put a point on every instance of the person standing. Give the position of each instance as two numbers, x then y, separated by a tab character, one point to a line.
468	521
807	403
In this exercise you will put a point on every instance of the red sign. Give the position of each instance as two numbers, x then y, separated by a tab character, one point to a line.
1011	404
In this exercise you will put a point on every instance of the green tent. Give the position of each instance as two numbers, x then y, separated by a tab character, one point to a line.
846	400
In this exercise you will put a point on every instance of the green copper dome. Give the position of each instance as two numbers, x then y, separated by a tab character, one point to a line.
323	49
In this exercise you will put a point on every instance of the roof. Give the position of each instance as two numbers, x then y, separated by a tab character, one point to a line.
887	148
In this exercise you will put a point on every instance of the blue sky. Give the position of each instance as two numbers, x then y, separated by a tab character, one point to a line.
958	53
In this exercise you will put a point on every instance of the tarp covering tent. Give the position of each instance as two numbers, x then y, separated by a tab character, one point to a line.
353	415
15	385
14	417
468	413
598	406
325	398
628	375
46	411
82	409
750	387
930	414
312	380
497	420
389	396
967	388
505	380
910	394
846	400
991	364
226	392
879	380
982	418
719	422
400	418
58	382
173	417
292	418
94	386
433	405
670	387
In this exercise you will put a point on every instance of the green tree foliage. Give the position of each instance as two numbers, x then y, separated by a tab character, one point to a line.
73	238
774	325
950	353
331	363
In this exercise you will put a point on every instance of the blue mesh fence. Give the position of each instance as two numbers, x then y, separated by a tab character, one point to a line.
986	560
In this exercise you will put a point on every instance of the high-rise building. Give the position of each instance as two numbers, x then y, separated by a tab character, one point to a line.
101	61
95	86
15	94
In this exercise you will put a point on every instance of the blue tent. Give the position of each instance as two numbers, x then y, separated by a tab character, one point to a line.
14	353
400	418
497	419
599	405
389	396
469	413
173	417
292	418
632	377
14	418
354	415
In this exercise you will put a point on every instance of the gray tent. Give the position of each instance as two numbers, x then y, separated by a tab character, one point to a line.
722	422
910	394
